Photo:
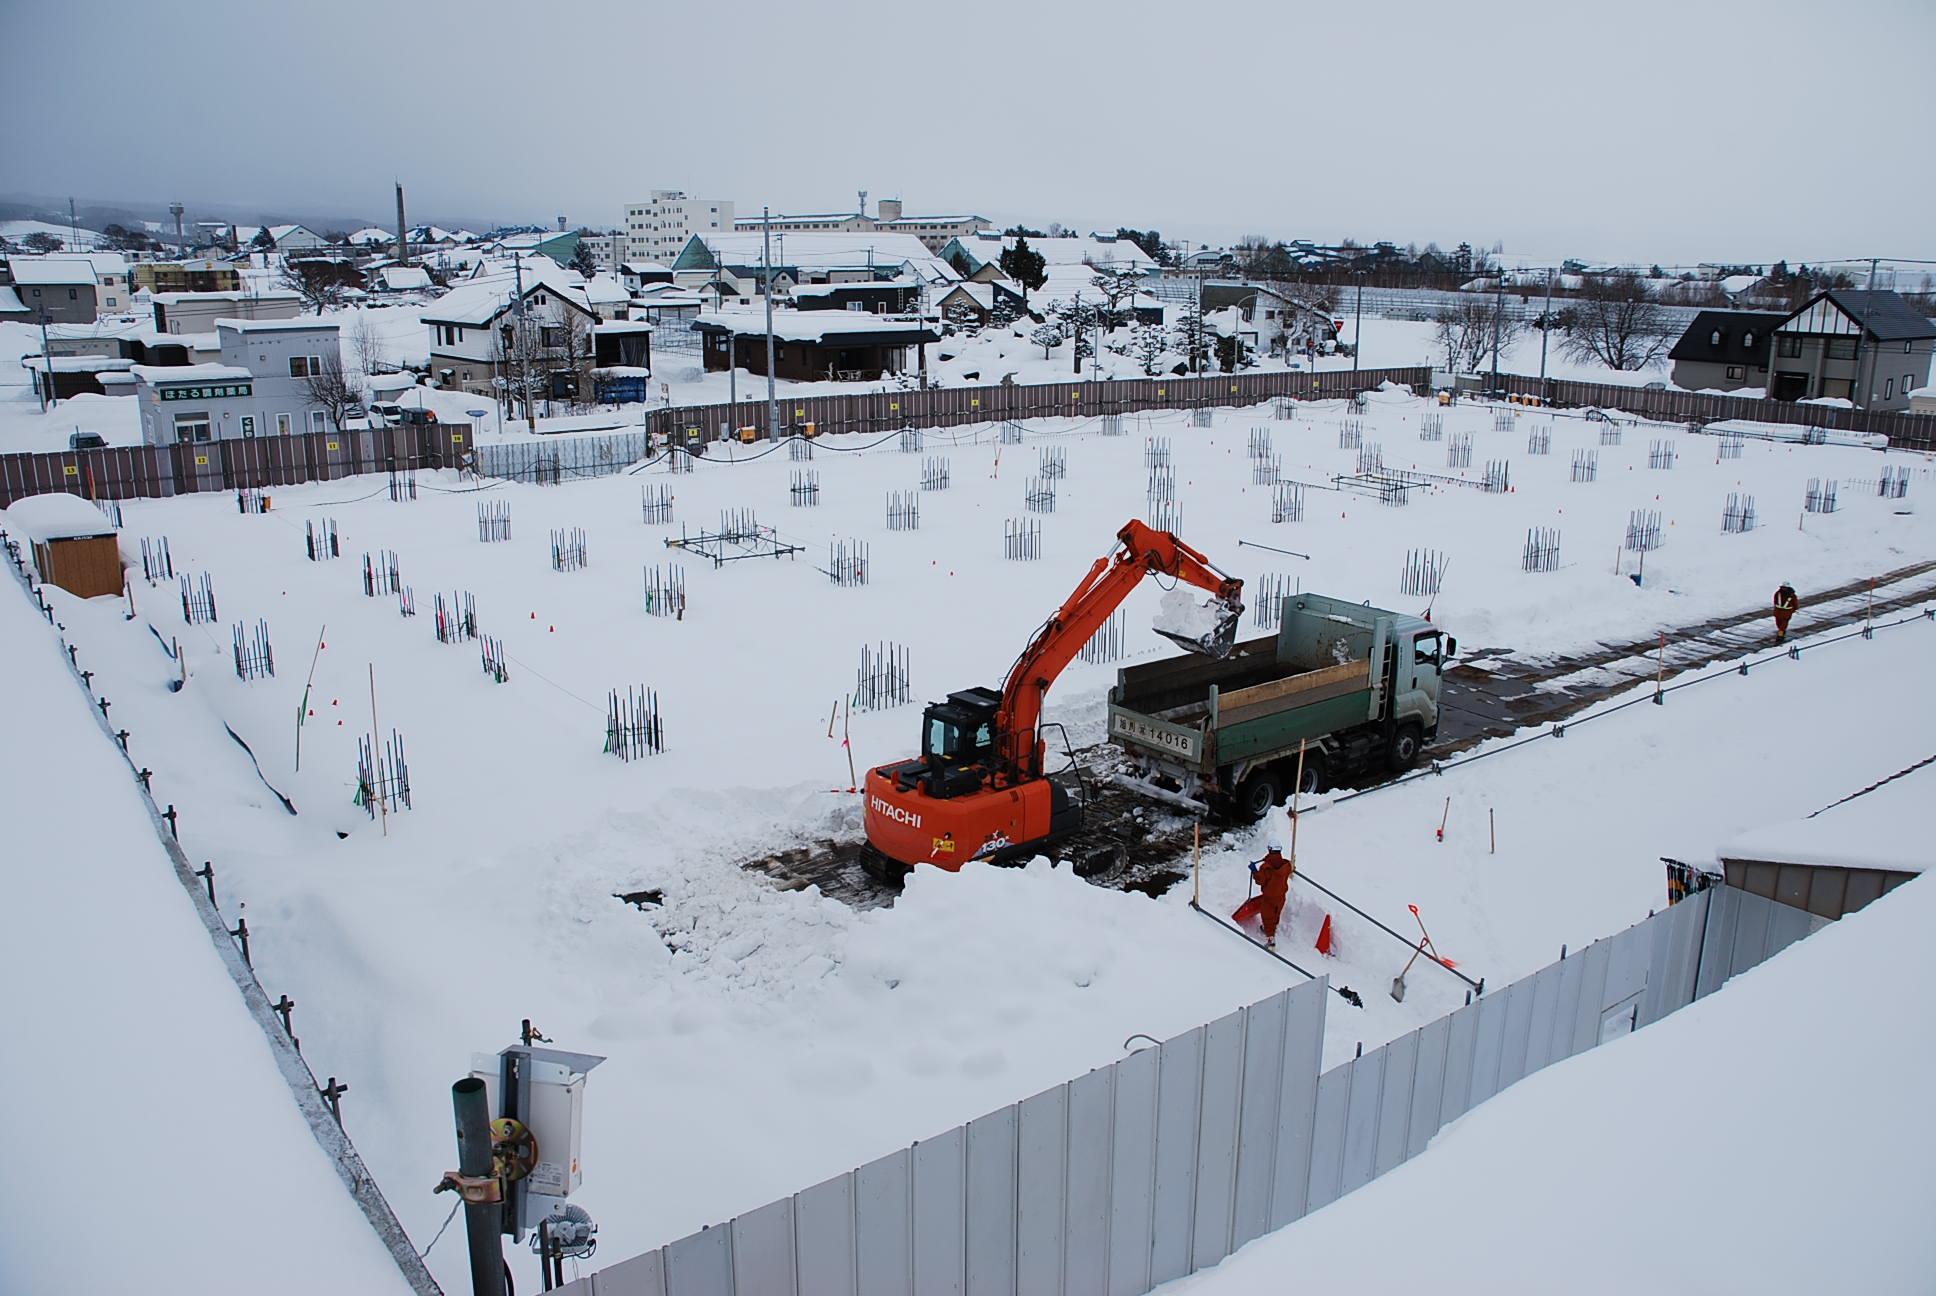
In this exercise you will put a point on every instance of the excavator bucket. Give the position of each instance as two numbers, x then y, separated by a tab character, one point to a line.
1209	628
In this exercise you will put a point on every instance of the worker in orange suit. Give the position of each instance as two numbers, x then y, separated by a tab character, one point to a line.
1786	601
1273	874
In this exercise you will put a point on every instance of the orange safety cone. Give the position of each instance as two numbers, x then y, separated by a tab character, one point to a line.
1324	936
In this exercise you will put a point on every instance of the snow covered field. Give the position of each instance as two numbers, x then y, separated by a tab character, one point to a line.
762	1040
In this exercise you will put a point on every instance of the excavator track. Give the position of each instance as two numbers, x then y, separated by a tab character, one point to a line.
1149	844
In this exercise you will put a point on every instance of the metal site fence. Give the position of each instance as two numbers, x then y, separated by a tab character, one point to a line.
1165	1162
157	471
1905	431
561	459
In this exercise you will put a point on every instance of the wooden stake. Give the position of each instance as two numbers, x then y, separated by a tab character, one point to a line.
1492	830
832	716
1196	866
1296	791
847	741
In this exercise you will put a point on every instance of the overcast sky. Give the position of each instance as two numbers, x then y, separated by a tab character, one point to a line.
1667	131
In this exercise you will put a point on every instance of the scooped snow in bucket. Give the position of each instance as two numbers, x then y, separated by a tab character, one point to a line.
1209	627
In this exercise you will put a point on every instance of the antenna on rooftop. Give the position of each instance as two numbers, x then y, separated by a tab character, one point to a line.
863	202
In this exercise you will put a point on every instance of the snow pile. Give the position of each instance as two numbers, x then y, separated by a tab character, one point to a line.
1774	1137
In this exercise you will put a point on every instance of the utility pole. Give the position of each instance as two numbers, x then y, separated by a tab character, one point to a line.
522	341
766	264
1358	324
1075	338
46	361
1498	316
1545	330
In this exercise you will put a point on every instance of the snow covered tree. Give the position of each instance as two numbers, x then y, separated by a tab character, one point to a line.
1146	346
964	317
1117	287
1233	355
1025	266
1192	337
1048	337
42	241
1003	313
263	241
581	260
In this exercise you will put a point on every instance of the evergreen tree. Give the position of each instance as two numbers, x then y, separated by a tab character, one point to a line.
263	240
581	260
1048	337
1025	266
1192	337
1146	347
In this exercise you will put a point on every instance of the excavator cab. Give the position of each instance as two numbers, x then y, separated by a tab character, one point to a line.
957	744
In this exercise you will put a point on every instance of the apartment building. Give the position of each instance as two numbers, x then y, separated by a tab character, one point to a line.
655	230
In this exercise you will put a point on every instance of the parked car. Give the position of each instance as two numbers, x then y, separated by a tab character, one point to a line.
384	414
416	414
87	441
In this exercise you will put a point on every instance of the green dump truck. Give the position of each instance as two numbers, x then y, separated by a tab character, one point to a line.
1356	685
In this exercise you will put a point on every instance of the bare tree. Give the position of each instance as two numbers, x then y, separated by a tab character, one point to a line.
366	345
331	388
1467	333
1616	322
321	284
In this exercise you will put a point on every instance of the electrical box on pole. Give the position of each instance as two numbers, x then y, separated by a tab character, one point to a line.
543	1089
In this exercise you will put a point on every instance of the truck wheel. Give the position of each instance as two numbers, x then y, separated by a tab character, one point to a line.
1313	781
1257	795
1404	746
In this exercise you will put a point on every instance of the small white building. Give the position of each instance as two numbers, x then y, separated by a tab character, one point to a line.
260	387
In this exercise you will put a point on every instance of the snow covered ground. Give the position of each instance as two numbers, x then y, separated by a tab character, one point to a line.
762	1040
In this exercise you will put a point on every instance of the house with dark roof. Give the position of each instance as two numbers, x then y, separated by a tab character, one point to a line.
1725	350
815	346
1872	348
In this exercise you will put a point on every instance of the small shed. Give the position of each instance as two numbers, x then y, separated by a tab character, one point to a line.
1841	857
74	545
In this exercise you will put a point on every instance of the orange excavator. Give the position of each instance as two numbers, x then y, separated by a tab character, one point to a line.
978	789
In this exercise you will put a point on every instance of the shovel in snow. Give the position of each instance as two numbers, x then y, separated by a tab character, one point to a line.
1398	982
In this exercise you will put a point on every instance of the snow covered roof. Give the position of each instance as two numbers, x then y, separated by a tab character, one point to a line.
57	517
403	278
1879	829
645	267
10	303
481	300
604	288
811	326
373	235
226	294
52	270
76	364
297	325
829	250
168	375
623	326
1064	251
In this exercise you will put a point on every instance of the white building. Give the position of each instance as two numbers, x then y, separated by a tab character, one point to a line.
259	389
655	230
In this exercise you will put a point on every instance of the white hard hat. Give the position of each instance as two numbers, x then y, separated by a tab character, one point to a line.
1277	846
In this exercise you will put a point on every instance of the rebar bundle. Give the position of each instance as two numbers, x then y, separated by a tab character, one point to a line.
847	562
911	440
253	656
111	510
380	574
904	511
1431	427
665	591
198	599
1738	517
403	486
655	505
1894	483
1038	496
678	459
156	564
1586	465
1661	455
493	521
1502	419
805	491
737	526
1202	417
1287	502
1610	433
1351	434
1260	443
1106	645
882	681
1458	450
251	500
1498	477
1267	599
1164	515
1732	444
633	727
799	449
1820	497
1371	458
1643	531
568	550
1021	540
1424	573
1162	485
1265	472
935	475
1156	453
1011	432
382	778
491	654
1542	550
457	619
1112	425
1283	407
406	602
1053	463
319	540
